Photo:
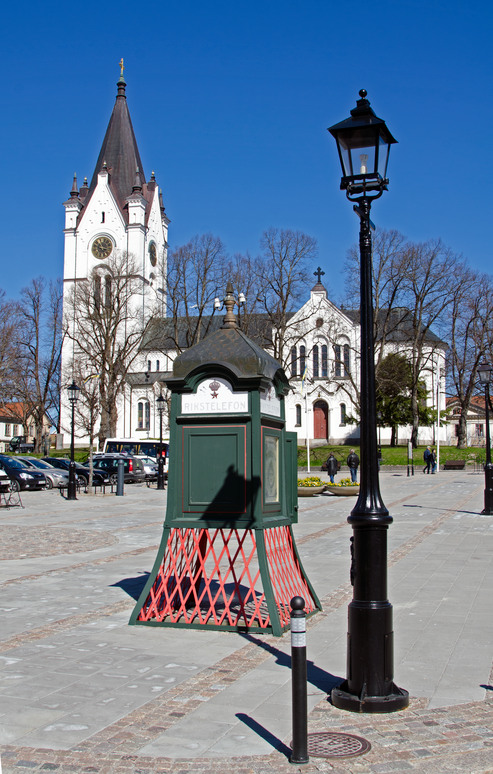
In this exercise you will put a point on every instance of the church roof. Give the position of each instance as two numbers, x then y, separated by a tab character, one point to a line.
120	156
164	333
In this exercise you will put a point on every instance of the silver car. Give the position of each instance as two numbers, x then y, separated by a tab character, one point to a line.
54	476
150	467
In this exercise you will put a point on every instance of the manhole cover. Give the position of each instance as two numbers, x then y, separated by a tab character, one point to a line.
332	745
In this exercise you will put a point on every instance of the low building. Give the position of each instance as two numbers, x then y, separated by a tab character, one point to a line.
475	421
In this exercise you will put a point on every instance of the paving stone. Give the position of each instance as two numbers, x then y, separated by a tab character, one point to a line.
66	614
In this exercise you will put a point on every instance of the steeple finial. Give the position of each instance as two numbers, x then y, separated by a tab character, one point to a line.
121	81
137	186
75	191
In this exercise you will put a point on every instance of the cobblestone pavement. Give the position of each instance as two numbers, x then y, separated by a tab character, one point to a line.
81	691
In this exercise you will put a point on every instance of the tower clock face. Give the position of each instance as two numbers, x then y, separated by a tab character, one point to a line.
152	254
102	247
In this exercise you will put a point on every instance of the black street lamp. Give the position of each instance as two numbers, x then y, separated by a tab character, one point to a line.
160	460
73	396
363	142
486	377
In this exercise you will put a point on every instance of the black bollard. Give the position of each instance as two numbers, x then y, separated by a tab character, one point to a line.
298	681
120	478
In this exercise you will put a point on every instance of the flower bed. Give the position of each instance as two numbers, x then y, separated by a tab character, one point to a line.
310	486
344	488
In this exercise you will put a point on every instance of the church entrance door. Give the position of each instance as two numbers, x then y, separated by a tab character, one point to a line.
320	419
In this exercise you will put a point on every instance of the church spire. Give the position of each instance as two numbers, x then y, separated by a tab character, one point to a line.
119	150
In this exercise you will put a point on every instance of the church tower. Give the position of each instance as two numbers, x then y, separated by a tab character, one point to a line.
119	213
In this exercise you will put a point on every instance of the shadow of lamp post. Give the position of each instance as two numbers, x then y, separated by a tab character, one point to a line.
363	142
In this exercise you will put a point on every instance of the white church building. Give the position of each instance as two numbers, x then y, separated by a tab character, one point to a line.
121	212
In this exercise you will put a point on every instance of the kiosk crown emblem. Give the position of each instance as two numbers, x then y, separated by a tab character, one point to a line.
214	386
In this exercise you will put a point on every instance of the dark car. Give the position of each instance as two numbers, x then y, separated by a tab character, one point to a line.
133	469
62	463
21	475
55	477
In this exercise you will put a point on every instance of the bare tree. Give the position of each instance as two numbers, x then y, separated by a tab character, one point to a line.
428	292
470	329
388	248
38	339
196	274
110	331
283	277
8	350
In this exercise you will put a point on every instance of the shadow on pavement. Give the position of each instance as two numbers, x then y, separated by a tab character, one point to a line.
276	743
133	586
320	679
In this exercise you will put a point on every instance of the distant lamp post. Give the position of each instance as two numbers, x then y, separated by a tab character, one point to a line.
73	396
363	142
160	402
486	377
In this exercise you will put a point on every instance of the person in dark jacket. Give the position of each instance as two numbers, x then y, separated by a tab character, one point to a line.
428	458
353	462
331	467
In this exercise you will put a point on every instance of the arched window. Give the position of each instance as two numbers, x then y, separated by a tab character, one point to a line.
324	361
337	361
143	415
107	291
298	414
302	360
157	365
293	361
343	414
346	360
315	362
342	363
97	291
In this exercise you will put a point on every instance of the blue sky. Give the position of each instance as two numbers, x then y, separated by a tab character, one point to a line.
230	103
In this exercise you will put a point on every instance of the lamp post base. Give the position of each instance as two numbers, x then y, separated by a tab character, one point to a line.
395	701
488	490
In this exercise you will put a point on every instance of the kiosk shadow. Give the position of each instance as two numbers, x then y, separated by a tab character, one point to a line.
133	586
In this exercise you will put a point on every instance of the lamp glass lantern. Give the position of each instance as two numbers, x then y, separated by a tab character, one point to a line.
363	142
73	393
160	404
485	373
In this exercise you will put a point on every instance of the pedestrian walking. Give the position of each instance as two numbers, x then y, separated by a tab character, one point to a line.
331	467
353	462
427	458
433	461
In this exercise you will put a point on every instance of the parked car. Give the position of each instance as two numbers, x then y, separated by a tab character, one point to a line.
5	482
20	444
150	467
62	463
21	475
55	477
133	470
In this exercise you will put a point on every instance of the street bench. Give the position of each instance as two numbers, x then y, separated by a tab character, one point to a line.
454	464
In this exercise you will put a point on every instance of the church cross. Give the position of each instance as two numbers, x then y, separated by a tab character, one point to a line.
319	274
121	67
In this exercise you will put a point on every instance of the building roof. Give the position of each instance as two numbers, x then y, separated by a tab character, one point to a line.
120	157
165	334
14	412
477	403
